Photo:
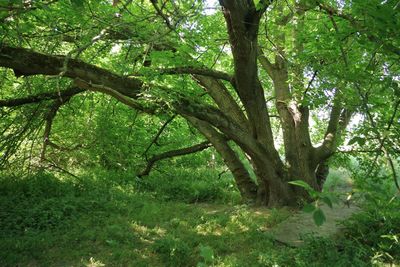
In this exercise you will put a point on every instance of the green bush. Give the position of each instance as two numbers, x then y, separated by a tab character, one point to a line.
377	228
317	252
35	203
42	201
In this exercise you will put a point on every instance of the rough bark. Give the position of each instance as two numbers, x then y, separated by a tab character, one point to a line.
245	184
26	62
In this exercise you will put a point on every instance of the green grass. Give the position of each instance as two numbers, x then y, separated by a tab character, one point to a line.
103	220
46	221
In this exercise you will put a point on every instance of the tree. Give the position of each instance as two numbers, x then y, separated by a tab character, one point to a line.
285	60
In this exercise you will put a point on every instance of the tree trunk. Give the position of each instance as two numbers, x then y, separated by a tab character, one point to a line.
245	184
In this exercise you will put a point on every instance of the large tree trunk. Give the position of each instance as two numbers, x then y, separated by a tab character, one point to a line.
242	20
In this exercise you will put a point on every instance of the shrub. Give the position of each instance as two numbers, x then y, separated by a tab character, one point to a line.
377	227
34	203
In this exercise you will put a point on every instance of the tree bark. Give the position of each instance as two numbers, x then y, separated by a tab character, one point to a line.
246	186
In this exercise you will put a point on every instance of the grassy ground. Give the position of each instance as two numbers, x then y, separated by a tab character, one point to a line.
49	221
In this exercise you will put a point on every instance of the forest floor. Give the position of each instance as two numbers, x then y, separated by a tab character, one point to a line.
45	221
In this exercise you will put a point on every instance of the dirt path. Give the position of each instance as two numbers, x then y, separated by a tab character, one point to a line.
290	231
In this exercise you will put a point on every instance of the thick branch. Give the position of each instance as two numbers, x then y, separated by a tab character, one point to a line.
246	186
224	100
64	94
242	19
198	71
173	153
27	62
338	121
133	103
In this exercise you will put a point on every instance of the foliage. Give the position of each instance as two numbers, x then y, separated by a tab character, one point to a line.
174	251
339	58
377	227
207	255
106	219
191	186
325	197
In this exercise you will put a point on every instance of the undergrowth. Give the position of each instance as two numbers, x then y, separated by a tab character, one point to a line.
109	219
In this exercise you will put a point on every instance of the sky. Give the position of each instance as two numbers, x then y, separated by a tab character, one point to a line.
211	6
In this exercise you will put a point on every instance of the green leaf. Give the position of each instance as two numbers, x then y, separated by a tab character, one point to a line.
78	3
309	208
301	184
359	140
259	4
327	201
319	217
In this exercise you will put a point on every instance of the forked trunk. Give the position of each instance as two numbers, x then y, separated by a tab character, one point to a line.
274	189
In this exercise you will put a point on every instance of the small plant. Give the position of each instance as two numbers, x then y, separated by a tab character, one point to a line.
318	197
377	228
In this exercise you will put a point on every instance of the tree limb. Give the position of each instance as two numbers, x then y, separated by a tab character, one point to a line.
49	123
158	134
173	153
266	64
246	185
199	71
27	62
64	94
133	103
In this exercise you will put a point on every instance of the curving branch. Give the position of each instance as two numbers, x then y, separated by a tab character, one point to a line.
133	103
124	89
51	114
173	153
